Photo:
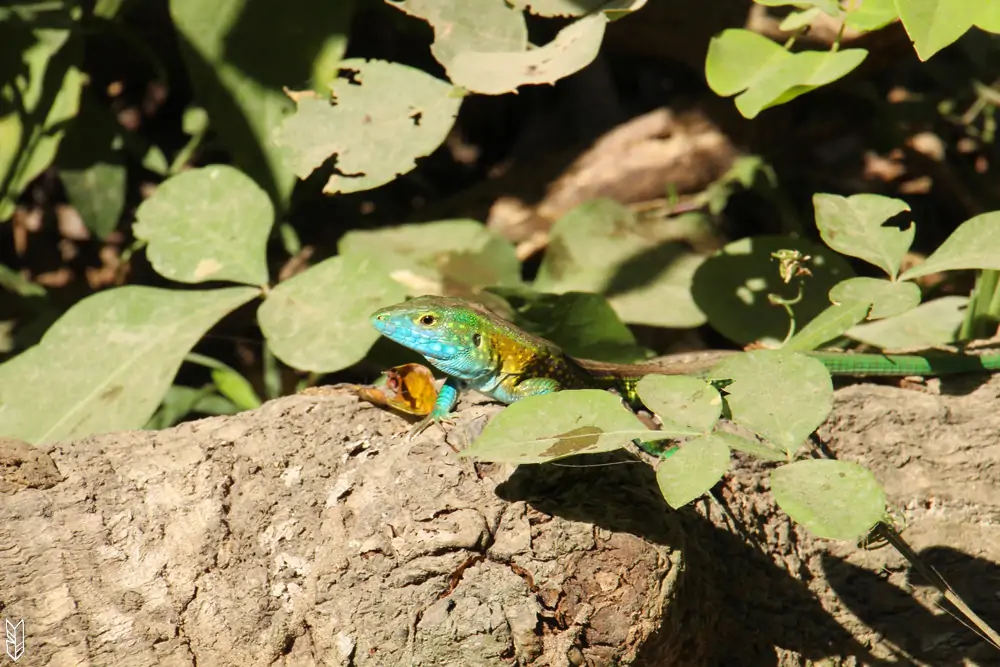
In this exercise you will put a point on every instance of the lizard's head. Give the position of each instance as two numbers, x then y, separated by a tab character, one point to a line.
450	333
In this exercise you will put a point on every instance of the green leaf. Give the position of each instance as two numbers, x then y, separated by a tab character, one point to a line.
600	247
888	298
460	256
229	382
194	121
207	224
240	81
781	396
797	75
213	404
98	194
798	20
871	15
692	470
547	427
736	59
179	402
681	402
318	320
934	24
13	281
731	287
929	324
836	500
758	448
460	26
974	245
741	60
92	169
236	388
573	48
582	324
853	226
115	354
826	326
988	17
47	88
377	127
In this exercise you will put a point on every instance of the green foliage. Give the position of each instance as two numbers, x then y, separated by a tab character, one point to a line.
693	469
853	226
92	167
601	247
106	364
838	500
454	255
374	136
780	396
207	224
934	24
39	94
733	286
484	46
540	429
763	74
318	320
928	325
888	298
681	402
241	84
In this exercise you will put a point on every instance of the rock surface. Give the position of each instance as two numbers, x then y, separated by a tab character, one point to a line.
309	532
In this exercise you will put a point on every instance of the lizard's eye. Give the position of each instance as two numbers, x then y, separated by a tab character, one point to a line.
477	339
428	320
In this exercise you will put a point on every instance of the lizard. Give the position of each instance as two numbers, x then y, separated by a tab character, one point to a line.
479	350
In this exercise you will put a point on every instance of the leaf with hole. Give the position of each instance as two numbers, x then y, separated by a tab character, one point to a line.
497	73
377	124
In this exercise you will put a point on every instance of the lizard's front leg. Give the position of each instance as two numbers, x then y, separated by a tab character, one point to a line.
446	400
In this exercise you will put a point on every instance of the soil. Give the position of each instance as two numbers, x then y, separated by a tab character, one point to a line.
311	532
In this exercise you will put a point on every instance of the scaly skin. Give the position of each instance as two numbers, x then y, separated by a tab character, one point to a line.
481	351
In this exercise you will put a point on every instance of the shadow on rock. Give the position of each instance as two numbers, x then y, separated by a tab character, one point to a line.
747	608
935	638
